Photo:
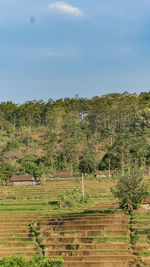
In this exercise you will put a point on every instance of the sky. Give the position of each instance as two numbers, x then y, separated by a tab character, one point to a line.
56	49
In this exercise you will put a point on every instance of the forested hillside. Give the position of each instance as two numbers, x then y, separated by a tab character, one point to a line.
108	132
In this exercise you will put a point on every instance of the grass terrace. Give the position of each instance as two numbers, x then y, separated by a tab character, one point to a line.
92	234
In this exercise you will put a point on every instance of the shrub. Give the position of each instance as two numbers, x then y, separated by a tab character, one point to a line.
51	262
37	261
34	232
130	191
14	262
73	198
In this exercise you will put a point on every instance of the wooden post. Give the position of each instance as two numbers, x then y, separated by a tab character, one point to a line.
82	185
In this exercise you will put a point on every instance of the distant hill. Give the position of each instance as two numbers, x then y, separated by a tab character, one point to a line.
108	132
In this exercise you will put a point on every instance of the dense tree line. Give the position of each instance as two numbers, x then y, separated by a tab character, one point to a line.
109	132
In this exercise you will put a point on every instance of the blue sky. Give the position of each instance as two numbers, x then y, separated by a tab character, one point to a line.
54	49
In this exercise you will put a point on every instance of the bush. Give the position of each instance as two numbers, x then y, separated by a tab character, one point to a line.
130	191
73	198
51	262
14	262
37	261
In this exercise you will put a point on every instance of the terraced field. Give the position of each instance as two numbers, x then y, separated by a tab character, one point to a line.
49	191
90	239
141	236
14	236
91	235
36	199
81	239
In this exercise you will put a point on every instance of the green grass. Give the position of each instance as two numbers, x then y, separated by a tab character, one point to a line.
144	254
52	189
111	239
67	232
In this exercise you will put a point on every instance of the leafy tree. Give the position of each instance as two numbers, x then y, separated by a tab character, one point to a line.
29	164
86	165
127	151
6	171
130	191
116	127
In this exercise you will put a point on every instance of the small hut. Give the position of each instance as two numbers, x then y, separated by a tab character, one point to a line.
23	180
100	174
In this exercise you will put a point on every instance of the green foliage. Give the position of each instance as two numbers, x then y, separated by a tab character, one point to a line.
130	191
34	232
11	145
51	262
6	171
37	261
77	134
29	164
73	198
124	154
14	262
86	165
25	140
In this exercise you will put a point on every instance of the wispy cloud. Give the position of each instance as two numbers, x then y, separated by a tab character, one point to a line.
65	8
65	53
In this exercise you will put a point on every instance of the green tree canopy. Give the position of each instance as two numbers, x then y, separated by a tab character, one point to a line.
6	171
130	190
